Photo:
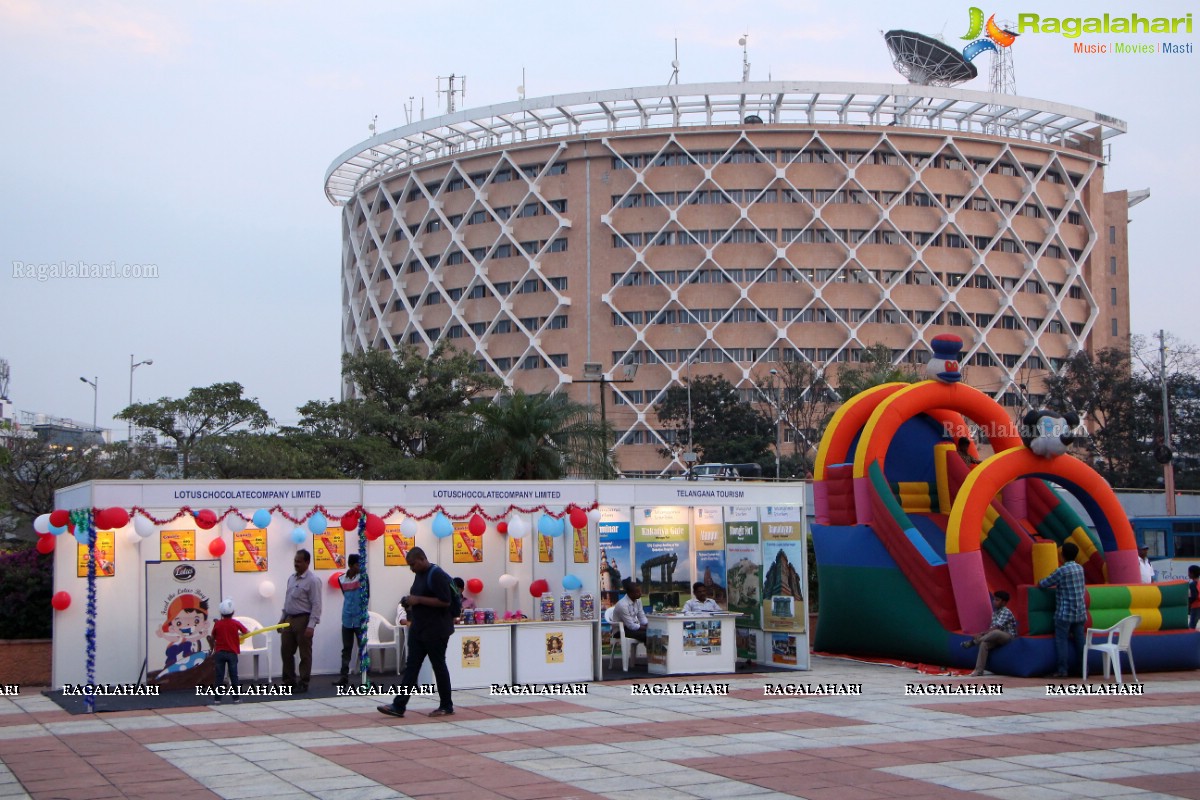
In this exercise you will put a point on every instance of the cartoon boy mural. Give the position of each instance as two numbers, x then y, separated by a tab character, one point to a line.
186	627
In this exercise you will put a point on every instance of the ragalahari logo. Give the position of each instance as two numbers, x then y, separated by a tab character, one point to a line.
995	35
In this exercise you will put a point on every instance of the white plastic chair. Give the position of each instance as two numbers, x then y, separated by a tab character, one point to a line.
257	645
617	638
376	623
1120	637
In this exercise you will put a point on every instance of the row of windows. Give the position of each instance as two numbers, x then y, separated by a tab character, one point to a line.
501	289
681	237
531	209
502	250
505	175
816	355
692	316
532	361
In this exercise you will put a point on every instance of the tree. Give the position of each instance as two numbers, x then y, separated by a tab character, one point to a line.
208	411
876	368
251	455
724	429
521	436
801	395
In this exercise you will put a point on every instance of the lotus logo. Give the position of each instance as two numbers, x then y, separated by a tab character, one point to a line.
995	35
184	573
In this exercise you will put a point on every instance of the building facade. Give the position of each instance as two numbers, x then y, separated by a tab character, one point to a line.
727	229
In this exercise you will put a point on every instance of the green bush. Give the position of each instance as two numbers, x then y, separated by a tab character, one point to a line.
26	582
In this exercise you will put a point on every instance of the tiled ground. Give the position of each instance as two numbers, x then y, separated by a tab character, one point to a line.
1022	745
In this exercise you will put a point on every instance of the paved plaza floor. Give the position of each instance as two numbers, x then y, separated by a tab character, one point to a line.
1021	744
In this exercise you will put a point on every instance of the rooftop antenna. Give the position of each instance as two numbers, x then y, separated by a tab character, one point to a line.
675	66
1003	79
422	108
408	110
4	377
371	127
521	88
451	90
745	57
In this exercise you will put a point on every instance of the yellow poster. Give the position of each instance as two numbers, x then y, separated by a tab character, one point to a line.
396	546
516	550
554	648
106	556
329	549
470	652
250	550
581	545
468	548
545	549
177	545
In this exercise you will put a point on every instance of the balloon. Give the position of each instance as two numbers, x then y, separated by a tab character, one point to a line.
55	530
350	521
476	526
442	526
266	589
317	523
539	587
518	528
216	547
375	526
117	518
508	581
474	586
81	536
144	526
261	518
594	515
100	520
42	524
549	526
235	523
579	518
333	580
408	527
61	601
299	535
60	518
502	526
571	583
45	543
206	519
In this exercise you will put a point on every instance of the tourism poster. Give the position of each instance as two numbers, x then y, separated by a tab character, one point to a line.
743	563
470	652
580	536
250	550
106	556
177	545
396	546
554	647
181	604
545	549
708	534
516	550
662	555
702	636
615	556
329	549
783	649
468	548
782	536
657	640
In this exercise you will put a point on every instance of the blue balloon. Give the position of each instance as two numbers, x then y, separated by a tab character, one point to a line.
299	535
571	582
442	526
549	526
262	518
57	531
81	535
317	523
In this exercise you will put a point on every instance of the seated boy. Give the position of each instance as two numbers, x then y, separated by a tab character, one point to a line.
701	603
1002	631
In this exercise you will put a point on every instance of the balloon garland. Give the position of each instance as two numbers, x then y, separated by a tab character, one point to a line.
364	655
187	511
84	521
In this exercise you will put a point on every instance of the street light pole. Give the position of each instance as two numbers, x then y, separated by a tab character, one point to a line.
95	399
594	373
132	367
778	419
690	455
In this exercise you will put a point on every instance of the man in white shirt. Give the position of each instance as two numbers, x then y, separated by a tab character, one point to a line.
701	603
1144	564
628	611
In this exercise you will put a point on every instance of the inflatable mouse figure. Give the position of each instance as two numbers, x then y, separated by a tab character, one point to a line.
1048	433
943	361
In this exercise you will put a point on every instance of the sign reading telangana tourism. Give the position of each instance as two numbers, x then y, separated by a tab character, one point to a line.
782	535
250	550
177	545
106	556
396	546
468	548
329	549
181	601
615	561
709	539
662	555
743	555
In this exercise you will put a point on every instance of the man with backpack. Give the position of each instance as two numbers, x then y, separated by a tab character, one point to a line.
432	604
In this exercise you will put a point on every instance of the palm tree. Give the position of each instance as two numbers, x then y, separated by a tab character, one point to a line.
521	436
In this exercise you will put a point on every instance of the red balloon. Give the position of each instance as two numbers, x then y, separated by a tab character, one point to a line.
117	518
333	580
375	526
45	543
216	547
59	518
476	526
61	601
474	586
101	520
539	587
206	519
502	527
350	521
579	518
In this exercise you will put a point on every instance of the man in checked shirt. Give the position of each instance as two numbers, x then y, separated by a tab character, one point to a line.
1070	606
1002	631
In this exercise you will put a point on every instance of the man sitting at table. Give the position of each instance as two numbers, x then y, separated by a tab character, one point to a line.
701	603
628	611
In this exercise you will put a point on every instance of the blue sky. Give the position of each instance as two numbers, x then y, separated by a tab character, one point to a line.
194	137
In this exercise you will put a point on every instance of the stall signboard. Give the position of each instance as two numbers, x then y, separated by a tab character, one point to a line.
783	649
181	603
177	545
782	533
396	546
250	550
708	534
580	539
743	559
329	549
468	548
616	559
106	556
662	555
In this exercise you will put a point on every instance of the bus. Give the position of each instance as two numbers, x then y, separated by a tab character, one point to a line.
1174	543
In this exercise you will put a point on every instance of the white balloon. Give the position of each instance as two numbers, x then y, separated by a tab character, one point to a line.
408	527
42	524
507	581
266	589
144	527
235	523
594	515
518	528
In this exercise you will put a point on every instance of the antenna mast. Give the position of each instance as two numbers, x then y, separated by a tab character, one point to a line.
451	90
745	57
675	67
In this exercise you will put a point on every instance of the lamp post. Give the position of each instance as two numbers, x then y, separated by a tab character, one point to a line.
95	398
593	372
132	367
778	419
690	455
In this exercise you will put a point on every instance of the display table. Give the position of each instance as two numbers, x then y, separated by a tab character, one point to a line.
555	652
679	644
468	670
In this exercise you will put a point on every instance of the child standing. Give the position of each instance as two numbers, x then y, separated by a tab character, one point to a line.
226	647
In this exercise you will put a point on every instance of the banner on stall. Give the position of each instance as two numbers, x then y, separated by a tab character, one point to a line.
470	652
516	550
106	556
554	647
329	549
702	636
708	535
468	548
177	545
743	559
783	649
250	550
662	555
396	546
545	549
782	533
616	558
181	605
581	545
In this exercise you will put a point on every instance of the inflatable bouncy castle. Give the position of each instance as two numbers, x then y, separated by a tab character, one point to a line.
913	533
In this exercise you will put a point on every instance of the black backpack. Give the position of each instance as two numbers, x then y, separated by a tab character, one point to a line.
455	596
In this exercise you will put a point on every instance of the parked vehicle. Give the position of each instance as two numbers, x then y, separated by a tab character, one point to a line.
721	472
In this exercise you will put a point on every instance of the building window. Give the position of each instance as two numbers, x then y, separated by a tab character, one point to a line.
1112	265
1114	326
558	359
1112	234
1112	293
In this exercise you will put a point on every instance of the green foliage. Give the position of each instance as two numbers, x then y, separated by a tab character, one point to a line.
26	582
724	429
33	471
876	368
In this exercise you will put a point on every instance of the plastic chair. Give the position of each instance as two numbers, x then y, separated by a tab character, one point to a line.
617	638
257	645
1120	637
375	624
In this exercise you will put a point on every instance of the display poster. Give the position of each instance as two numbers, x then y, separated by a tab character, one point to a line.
662	555
702	636
181	601
554	647
782	533
708	533
329	549
616	559
743	560
783	649
250	550
177	545
106	556
470	652
581	545
657	640
468	548
545	549
516	550
396	546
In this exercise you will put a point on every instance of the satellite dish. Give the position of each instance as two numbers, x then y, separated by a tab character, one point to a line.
742	41
926	61
675	64
753	119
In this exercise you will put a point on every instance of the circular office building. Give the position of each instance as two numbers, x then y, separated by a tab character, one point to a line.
730	228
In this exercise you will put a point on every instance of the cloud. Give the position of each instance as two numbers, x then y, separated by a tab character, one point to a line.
97	25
